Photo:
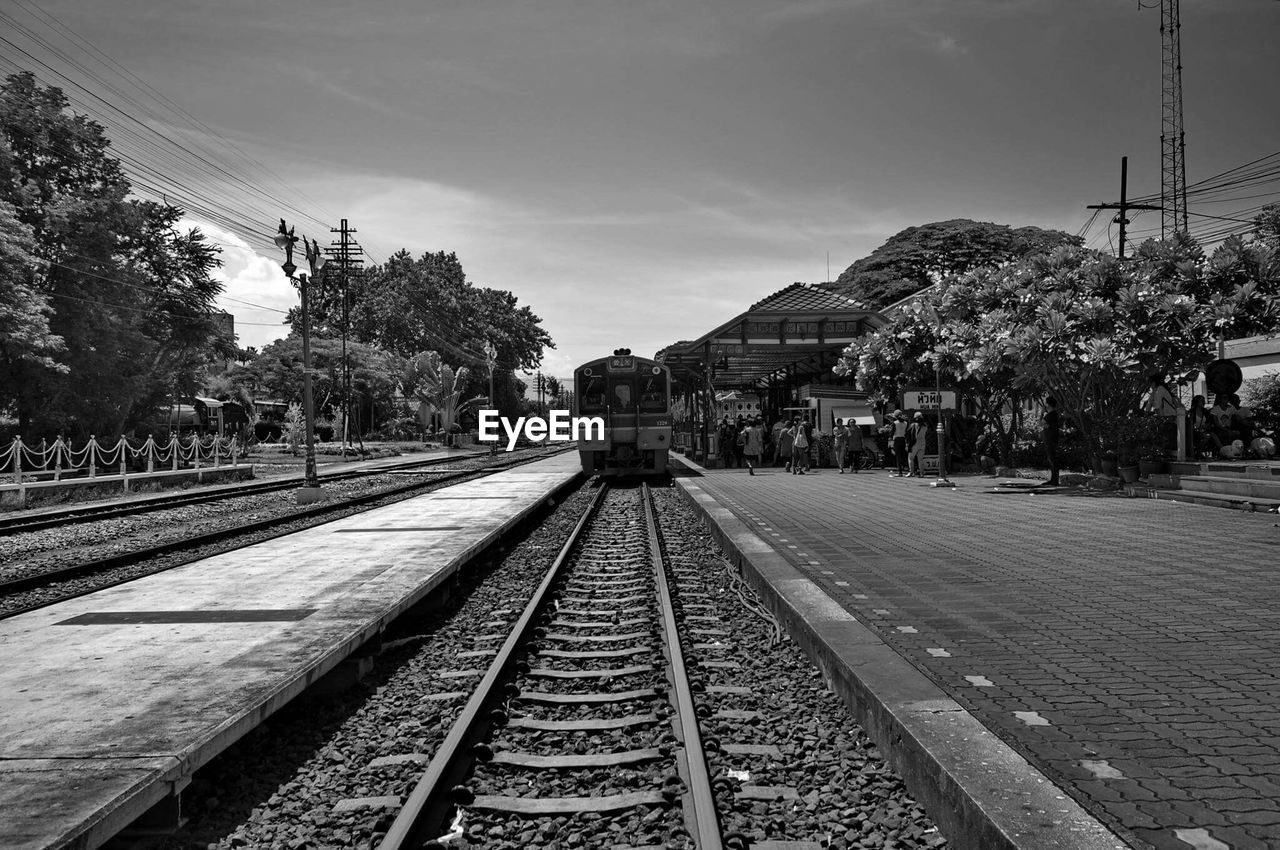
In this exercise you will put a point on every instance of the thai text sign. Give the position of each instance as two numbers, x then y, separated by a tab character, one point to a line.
917	399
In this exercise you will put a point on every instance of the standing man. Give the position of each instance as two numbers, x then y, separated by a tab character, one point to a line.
917	437
900	443
1052	433
840	437
754	445
799	448
855	445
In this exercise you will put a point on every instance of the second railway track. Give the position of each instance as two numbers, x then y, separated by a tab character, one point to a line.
30	586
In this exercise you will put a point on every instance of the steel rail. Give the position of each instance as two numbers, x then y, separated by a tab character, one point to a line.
428	803
89	513
706	821
35	580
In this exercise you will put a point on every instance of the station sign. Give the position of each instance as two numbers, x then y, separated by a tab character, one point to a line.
622	364
920	399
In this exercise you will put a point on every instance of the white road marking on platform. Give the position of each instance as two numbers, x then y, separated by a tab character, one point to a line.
1031	718
980	681
938	652
910	630
882	611
1200	839
861	596
1101	769
842	584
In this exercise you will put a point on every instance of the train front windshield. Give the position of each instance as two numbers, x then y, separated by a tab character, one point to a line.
653	393
591	398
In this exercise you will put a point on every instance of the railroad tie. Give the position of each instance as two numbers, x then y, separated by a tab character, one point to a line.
543	806
576	761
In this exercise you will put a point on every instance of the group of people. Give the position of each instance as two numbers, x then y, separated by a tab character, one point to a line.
742	443
793	444
1221	426
909	442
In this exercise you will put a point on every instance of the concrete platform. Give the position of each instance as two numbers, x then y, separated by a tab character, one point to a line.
109	702
1053	670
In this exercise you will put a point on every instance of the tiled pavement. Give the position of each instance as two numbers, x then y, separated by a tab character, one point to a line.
1128	648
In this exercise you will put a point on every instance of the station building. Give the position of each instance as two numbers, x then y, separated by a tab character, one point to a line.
775	358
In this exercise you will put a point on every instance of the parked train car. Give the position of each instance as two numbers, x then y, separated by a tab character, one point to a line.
633	397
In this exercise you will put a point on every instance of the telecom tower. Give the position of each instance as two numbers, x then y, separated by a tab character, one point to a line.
1173	169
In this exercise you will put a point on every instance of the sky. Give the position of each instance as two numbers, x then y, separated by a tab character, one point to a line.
640	171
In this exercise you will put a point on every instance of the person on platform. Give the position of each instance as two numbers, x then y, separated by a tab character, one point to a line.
811	435
1052	436
799	448
855	445
754	445
786	445
900	443
1203	439
728	435
917	439
840	439
1241	421
775	443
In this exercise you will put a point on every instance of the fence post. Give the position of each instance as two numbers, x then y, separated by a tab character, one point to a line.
195	453
123	448
217	454
92	450
175	445
17	472
151	454
44	456
57	459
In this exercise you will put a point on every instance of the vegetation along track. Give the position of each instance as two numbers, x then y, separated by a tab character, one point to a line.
34	582
89	513
789	767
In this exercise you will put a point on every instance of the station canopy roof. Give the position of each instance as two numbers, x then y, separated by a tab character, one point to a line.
801	327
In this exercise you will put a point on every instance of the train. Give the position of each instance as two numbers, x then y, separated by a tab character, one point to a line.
633	396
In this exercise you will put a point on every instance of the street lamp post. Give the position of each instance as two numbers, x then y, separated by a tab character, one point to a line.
491	360
284	239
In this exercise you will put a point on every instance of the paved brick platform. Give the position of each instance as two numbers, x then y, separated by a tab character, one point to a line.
1127	648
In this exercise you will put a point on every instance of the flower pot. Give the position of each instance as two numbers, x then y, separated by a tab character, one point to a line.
1128	474
1109	466
1147	468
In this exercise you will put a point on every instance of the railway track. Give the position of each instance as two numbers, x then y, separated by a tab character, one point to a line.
203	544
559	725
90	513
591	683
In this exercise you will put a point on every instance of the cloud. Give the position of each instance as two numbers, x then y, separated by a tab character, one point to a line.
255	290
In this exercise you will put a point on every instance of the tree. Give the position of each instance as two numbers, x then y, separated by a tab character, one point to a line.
410	305
1263	395
276	374
554	389
129	296
24	310
916	257
438	388
1091	330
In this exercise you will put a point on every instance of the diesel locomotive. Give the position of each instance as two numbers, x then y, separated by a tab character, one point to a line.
633	397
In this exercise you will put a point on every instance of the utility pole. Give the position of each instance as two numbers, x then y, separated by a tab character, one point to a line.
1124	206
347	255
